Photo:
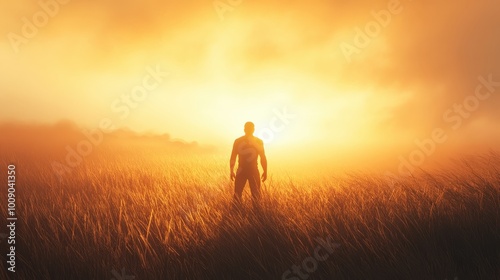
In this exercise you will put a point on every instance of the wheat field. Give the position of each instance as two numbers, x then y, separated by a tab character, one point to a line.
140	212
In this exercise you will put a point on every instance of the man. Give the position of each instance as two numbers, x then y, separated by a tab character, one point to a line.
248	148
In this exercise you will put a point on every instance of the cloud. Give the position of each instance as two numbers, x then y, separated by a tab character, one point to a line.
439	50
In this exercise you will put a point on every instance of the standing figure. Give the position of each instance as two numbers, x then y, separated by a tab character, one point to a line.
248	148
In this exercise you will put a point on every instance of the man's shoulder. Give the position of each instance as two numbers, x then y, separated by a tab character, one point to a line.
246	139
259	140
239	139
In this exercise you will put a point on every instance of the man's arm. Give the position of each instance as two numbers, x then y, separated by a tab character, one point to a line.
232	161
263	162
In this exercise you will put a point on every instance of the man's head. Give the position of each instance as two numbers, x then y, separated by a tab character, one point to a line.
249	128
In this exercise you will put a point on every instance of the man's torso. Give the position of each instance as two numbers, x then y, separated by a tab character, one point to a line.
248	149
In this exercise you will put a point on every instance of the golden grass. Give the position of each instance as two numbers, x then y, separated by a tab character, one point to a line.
169	216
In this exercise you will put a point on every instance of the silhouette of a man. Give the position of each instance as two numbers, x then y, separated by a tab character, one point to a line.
248	148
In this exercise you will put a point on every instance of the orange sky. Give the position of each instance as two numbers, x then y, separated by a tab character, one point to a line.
252	62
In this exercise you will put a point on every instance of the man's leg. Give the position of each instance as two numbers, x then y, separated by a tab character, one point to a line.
254	182
239	184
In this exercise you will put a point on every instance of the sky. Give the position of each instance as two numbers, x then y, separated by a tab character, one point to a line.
341	79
